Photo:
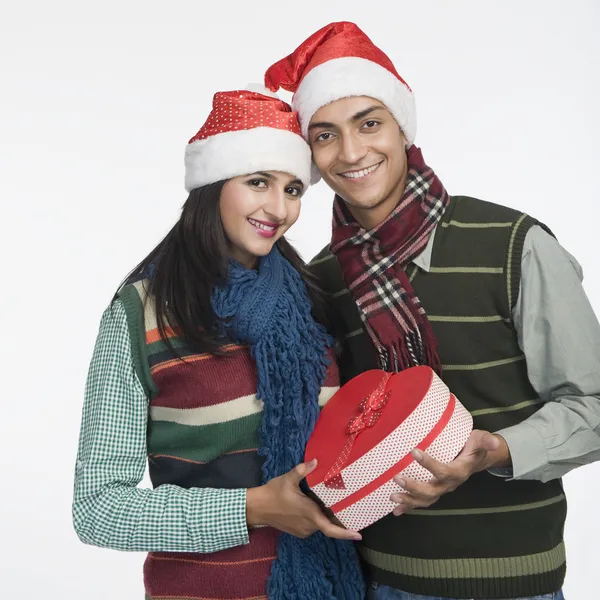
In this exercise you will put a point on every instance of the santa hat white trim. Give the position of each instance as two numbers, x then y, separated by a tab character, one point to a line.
352	76
235	153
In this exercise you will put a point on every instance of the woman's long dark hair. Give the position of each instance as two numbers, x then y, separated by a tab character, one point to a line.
190	261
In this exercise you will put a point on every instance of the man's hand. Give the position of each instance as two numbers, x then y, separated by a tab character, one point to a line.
483	450
281	504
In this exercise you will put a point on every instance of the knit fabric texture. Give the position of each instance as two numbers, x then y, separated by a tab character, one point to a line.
491	537
203	436
270	310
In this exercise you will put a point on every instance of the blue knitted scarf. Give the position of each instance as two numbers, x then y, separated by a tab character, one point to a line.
270	310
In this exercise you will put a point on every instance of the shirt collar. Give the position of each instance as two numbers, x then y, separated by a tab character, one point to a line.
423	260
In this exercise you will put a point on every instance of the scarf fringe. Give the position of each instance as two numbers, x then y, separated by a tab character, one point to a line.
411	350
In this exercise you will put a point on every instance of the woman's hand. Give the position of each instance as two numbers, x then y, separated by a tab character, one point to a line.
281	504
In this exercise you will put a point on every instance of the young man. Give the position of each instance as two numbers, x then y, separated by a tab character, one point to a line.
481	293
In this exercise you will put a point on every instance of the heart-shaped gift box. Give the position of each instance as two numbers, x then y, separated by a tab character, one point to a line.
365	433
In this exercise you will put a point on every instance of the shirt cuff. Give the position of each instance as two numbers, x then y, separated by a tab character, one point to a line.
504	472
527	451
222	519
240	529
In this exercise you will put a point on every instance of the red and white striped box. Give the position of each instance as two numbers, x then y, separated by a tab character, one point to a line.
365	433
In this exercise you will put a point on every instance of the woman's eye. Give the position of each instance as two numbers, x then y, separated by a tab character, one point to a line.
293	191
371	124
259	183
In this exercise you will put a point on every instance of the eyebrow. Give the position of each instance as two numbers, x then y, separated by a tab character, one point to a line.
324	124
356	117
269	176
363	113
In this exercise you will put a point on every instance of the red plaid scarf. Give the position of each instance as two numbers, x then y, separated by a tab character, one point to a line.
374	263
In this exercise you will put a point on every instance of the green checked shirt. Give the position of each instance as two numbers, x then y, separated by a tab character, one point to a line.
109	509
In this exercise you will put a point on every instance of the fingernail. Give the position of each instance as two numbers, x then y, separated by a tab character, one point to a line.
357	537
401	482
417	454
397	498
312	463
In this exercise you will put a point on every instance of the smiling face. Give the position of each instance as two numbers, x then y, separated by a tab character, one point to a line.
256	210
358	147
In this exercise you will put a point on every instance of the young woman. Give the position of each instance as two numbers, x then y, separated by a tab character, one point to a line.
211	364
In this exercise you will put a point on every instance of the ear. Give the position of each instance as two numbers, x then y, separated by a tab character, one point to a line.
315	175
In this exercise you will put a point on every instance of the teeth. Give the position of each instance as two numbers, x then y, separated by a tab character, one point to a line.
362	173
261	225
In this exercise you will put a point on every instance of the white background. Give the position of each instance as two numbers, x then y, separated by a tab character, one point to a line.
98	101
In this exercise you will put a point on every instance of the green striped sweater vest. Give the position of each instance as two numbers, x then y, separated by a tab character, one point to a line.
203	426
491	538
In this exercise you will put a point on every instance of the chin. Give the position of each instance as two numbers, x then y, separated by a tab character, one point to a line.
365	198
260	250
364	203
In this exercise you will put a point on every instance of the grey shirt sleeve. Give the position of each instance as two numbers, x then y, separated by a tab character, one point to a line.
560	336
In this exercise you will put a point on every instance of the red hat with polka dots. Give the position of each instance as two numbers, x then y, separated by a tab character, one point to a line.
339	61
246	132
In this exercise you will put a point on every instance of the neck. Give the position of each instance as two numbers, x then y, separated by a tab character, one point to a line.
368	218
247	260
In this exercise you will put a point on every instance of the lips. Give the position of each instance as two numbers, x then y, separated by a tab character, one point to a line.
361	173
264	228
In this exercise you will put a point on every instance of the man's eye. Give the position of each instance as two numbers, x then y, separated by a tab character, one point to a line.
259	183
323	137
371	124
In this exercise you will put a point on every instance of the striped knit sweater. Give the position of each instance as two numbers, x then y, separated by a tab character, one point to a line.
203	432
491	538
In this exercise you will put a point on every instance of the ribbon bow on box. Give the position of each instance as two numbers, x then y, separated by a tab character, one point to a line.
369	412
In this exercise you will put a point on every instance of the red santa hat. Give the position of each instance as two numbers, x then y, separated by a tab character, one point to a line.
246	131
336	62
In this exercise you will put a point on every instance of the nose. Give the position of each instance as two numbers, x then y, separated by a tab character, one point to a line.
352	150
276	205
